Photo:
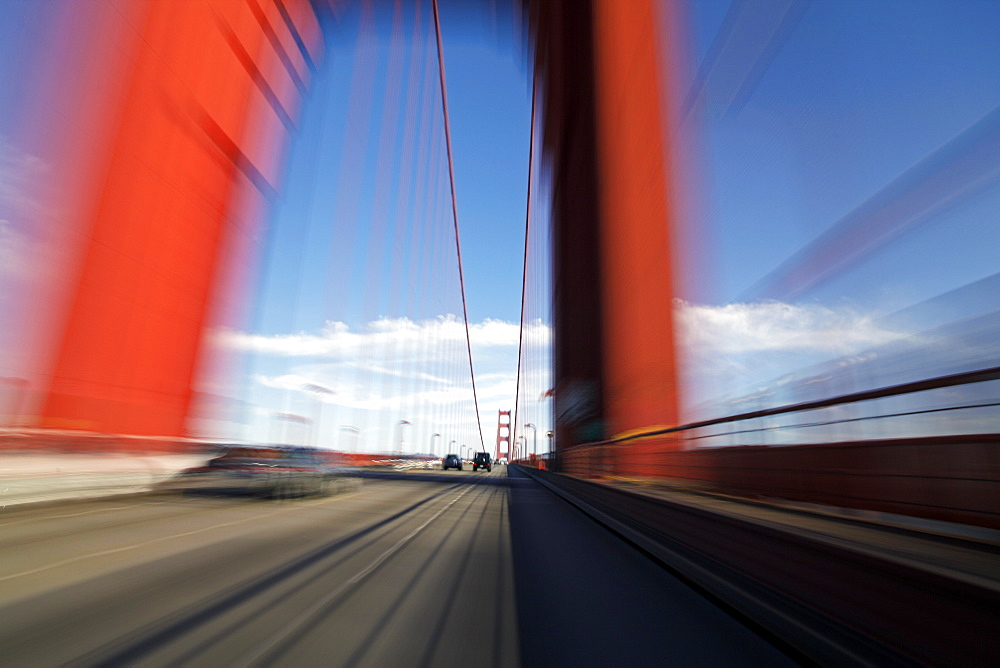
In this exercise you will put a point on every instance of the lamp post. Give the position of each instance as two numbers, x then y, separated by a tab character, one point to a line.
354	430
451	443
290	418
318	391
520	445
400	425
534	436
433	436
550	434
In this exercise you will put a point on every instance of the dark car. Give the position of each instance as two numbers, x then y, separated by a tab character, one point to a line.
482	460
274	472
451	461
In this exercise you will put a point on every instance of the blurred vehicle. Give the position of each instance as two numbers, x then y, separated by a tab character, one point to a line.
482	460
451	461
271	472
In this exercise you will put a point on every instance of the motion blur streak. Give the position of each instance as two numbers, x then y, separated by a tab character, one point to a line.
964	167
847	207
181	161
425	569
636	217
756	400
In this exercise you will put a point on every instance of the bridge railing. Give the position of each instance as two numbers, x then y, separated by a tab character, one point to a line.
926	449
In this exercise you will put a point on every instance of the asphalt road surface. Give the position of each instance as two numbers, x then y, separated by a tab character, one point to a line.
422	569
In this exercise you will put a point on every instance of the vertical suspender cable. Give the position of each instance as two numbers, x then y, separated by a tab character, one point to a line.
524	270
454	214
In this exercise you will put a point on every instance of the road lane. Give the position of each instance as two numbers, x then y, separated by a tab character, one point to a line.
238	573
426	603
585	598
436	568
38	557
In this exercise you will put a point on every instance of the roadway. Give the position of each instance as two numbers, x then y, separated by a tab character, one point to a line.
421	568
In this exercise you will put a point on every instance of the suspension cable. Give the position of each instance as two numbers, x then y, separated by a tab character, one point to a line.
454	214
524	270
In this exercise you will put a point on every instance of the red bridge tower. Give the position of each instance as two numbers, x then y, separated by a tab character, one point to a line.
503	434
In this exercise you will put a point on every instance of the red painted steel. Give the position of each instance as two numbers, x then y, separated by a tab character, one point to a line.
605	137
952	479
636	219
193	155
564	62
503	435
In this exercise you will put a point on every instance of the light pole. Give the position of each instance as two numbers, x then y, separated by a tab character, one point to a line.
534	438
520	445
550	434
318	391
354	430
293	418
400	425
433	436
451	443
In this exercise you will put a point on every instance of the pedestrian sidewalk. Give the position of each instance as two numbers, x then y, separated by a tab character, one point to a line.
958	551
36	477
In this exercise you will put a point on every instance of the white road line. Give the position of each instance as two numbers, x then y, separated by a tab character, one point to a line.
85	512
357	577
160	539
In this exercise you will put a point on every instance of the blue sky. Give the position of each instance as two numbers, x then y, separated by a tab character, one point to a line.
805	113
856	102
489	99
860	92
853	96
328	258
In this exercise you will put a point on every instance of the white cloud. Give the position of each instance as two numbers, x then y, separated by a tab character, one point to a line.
778	327
15	256
737	349
23	181
395	367
384	371
406	336
22	178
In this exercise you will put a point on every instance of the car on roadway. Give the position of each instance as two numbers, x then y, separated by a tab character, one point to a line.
451	461
482	460
276	472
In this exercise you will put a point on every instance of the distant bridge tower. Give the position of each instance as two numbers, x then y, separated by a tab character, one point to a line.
503	434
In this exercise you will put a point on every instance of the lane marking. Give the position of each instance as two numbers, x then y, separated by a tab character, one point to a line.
161	539
357	577
85	512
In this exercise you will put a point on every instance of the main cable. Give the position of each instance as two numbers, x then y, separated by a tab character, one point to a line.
454	214
524	269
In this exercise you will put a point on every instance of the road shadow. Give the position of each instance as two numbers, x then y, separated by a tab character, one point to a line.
457	478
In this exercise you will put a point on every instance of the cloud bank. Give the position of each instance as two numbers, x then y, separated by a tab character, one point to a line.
777	327
736	349
338	340
395	366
